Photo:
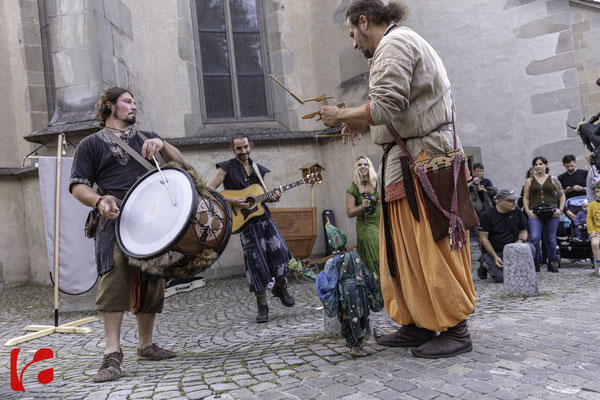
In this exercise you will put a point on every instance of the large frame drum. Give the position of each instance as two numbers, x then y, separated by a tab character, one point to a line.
150	225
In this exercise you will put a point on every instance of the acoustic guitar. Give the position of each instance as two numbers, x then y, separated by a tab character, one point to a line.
255	195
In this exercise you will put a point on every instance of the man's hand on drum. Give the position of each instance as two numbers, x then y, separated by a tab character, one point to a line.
239	202
107	207
151	147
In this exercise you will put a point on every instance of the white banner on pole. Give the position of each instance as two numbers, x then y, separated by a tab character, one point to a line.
77	266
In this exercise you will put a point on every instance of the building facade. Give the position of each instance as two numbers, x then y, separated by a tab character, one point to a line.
520	70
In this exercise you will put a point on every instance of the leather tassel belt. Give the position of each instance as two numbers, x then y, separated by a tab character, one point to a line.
389	244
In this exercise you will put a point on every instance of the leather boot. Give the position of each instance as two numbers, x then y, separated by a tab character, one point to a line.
280	290
552	267
263	308
406	336
455	340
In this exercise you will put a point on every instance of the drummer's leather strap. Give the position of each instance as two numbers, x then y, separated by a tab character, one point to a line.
129	150
389	243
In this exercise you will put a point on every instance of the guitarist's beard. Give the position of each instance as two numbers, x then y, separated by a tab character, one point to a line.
243	157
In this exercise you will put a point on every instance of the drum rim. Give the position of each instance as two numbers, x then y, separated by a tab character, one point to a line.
179	236
229	219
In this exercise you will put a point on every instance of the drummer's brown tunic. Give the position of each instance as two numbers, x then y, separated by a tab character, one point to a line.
98	161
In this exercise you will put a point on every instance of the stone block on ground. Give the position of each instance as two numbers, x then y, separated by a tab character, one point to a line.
519	271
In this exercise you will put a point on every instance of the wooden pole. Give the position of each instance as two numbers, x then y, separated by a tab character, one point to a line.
70	327
57	226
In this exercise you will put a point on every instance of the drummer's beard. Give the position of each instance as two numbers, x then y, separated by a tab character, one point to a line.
243	157
129	119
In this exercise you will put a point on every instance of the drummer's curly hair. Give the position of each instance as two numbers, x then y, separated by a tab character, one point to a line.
376	12
111	94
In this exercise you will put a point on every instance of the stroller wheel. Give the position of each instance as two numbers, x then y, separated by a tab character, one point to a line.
558	260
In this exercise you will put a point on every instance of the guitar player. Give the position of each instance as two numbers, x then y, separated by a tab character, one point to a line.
265	253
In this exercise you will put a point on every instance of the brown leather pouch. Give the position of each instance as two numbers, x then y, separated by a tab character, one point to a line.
91	224
441	175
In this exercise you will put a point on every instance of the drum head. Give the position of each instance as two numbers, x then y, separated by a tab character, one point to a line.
149	222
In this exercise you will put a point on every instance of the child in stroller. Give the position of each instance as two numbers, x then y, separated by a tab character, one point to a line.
580	233
571	242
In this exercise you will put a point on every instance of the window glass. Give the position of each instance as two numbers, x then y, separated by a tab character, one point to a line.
219	102
240	58
211	15
243	16
252	96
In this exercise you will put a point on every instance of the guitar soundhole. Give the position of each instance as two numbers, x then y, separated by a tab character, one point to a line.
251	202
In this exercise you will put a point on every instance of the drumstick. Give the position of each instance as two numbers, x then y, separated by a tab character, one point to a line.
164	180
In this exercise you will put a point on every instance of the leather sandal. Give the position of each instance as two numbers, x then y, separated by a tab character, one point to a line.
110	370
154	353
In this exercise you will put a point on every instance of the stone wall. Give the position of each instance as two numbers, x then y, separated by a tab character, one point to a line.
520	69
22	110
512	68
585	17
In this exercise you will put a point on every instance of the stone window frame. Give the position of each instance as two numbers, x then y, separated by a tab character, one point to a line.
263	29
593	4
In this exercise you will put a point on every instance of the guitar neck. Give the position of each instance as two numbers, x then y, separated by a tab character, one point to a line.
282	189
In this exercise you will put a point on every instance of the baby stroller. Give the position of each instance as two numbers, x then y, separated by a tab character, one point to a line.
566	247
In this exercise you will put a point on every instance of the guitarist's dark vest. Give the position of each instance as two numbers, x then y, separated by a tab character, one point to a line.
237	179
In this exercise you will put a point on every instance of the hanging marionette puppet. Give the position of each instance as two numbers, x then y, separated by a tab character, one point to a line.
349	291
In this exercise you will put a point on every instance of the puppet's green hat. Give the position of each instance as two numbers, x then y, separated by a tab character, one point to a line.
337	238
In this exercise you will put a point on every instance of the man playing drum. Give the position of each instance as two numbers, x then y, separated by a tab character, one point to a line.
265	253
98	160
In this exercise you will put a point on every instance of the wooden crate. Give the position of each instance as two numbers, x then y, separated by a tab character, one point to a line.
298	225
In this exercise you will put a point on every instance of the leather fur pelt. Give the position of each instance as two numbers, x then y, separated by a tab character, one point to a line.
173	264
200	185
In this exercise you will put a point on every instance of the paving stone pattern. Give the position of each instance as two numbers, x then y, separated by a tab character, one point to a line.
543	347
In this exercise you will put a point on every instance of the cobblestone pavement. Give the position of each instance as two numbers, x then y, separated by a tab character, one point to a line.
538	348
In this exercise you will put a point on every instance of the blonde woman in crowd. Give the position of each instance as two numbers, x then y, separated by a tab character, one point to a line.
362	202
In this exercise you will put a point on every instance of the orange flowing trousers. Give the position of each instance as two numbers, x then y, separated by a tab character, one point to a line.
433	287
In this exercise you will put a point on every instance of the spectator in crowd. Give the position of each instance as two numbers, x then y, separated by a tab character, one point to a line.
573	180
543	202
362	202
580	231
592	177
499	226
482	190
